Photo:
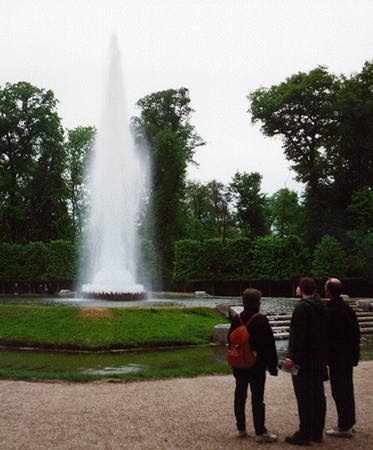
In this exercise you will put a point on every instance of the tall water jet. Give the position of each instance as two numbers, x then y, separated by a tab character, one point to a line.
116	180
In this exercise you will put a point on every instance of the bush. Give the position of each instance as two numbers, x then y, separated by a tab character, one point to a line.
279	258
34	262
62	261
38	261
329	259
268	258
187	264
360	260
11	261
238	256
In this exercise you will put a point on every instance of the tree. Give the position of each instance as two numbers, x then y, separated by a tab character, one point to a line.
360	256
164	124
285	212
48	216
302	111
350	152
360	210
32	205
329	259
207	209
250	203
78	148
218	197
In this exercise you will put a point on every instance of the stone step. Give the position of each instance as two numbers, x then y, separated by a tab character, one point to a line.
279	322
366	325
281	336
365	319
366	331
284	317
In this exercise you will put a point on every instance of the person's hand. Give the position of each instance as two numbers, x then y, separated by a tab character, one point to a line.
288	363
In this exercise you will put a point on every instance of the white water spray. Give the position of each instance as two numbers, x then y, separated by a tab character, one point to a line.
116	186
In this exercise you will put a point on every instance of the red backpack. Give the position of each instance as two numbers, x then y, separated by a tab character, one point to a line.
240	354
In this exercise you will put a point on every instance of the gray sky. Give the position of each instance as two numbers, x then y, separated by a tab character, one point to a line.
219	49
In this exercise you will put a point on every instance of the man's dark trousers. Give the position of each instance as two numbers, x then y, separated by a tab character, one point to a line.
256	378
309	391
343	393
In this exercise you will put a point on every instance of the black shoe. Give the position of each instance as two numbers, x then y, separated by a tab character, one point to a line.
297	439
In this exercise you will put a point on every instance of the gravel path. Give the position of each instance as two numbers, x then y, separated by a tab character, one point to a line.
191	413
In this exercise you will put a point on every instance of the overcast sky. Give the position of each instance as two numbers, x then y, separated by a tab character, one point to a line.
219	49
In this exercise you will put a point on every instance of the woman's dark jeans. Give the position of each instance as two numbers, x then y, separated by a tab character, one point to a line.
256	379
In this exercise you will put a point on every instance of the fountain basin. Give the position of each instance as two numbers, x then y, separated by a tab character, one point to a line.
116	296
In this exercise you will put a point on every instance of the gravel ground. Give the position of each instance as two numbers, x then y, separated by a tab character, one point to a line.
184	413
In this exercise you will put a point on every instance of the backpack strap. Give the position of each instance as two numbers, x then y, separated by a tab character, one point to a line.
249	321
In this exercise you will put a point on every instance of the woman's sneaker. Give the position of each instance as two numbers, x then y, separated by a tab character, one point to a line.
266	437
242	434
337	432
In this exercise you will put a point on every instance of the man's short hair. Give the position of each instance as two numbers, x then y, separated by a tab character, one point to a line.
250	298
334	286
307	285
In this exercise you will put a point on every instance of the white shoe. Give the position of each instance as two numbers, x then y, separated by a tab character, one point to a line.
337	432
266	437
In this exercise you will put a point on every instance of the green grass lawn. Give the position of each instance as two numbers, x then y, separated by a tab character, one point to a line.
105	328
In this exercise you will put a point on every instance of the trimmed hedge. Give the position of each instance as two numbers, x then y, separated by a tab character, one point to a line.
265	258
38	261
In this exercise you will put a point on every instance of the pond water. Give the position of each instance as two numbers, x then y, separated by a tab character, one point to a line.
268	304
122	362
107	363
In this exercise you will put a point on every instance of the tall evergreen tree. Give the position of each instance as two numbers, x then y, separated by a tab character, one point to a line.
164	124
78	148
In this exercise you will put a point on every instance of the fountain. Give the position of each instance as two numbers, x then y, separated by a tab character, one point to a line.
116	181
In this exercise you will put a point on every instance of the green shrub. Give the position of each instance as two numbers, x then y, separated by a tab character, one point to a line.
269	258
329	259
62	261
11	261
279	258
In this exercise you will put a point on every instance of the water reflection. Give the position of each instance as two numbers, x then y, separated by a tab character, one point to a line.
107	363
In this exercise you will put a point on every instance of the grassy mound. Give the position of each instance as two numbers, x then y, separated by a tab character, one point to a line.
70	327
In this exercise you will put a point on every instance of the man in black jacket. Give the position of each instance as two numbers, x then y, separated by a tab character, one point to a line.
343	355
262	342
308	349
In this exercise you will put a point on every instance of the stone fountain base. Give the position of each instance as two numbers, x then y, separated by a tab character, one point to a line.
115	296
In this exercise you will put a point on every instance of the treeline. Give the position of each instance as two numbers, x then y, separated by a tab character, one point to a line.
324	121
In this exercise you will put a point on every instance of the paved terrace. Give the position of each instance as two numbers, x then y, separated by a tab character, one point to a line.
184	413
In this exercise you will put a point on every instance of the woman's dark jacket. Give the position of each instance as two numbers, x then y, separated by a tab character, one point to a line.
261	341
308	335
343	333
